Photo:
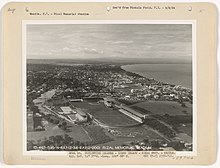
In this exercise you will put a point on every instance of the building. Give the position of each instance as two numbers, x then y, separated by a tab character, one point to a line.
66	110
130	110
78	116
76	100
127	113
81	116
132	113
108	102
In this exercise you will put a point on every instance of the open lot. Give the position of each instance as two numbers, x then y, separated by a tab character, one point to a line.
165	107
108	116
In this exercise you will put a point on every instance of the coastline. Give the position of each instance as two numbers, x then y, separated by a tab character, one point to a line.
151	74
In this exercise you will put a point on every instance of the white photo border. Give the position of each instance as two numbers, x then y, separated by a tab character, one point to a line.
24	52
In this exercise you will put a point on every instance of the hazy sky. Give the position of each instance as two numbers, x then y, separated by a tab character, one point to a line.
70	41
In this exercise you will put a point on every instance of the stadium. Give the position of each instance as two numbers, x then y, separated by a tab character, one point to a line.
109	112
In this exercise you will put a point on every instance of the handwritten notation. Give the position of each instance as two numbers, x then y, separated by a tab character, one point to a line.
12	10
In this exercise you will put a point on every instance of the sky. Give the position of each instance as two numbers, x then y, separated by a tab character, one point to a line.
88	41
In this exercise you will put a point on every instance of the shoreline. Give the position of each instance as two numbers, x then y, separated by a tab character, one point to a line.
148	77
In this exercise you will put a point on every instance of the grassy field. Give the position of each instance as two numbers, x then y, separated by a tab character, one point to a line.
108	116
140	132
74	131
165	107
186	129
137	134
97	134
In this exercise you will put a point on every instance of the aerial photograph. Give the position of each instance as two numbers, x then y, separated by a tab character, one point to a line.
109	87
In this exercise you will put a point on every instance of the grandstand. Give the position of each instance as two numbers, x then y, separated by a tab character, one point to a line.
132	113
138	119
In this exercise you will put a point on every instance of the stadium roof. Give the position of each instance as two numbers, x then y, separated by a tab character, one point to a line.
66	109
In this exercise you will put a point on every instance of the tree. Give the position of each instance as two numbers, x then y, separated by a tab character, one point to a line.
183	105
51	120
34	109
64	123
67	139
77	143
82	144
52	138
155	144
59	139
56	121
30	145
166	115
178	146
146	141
